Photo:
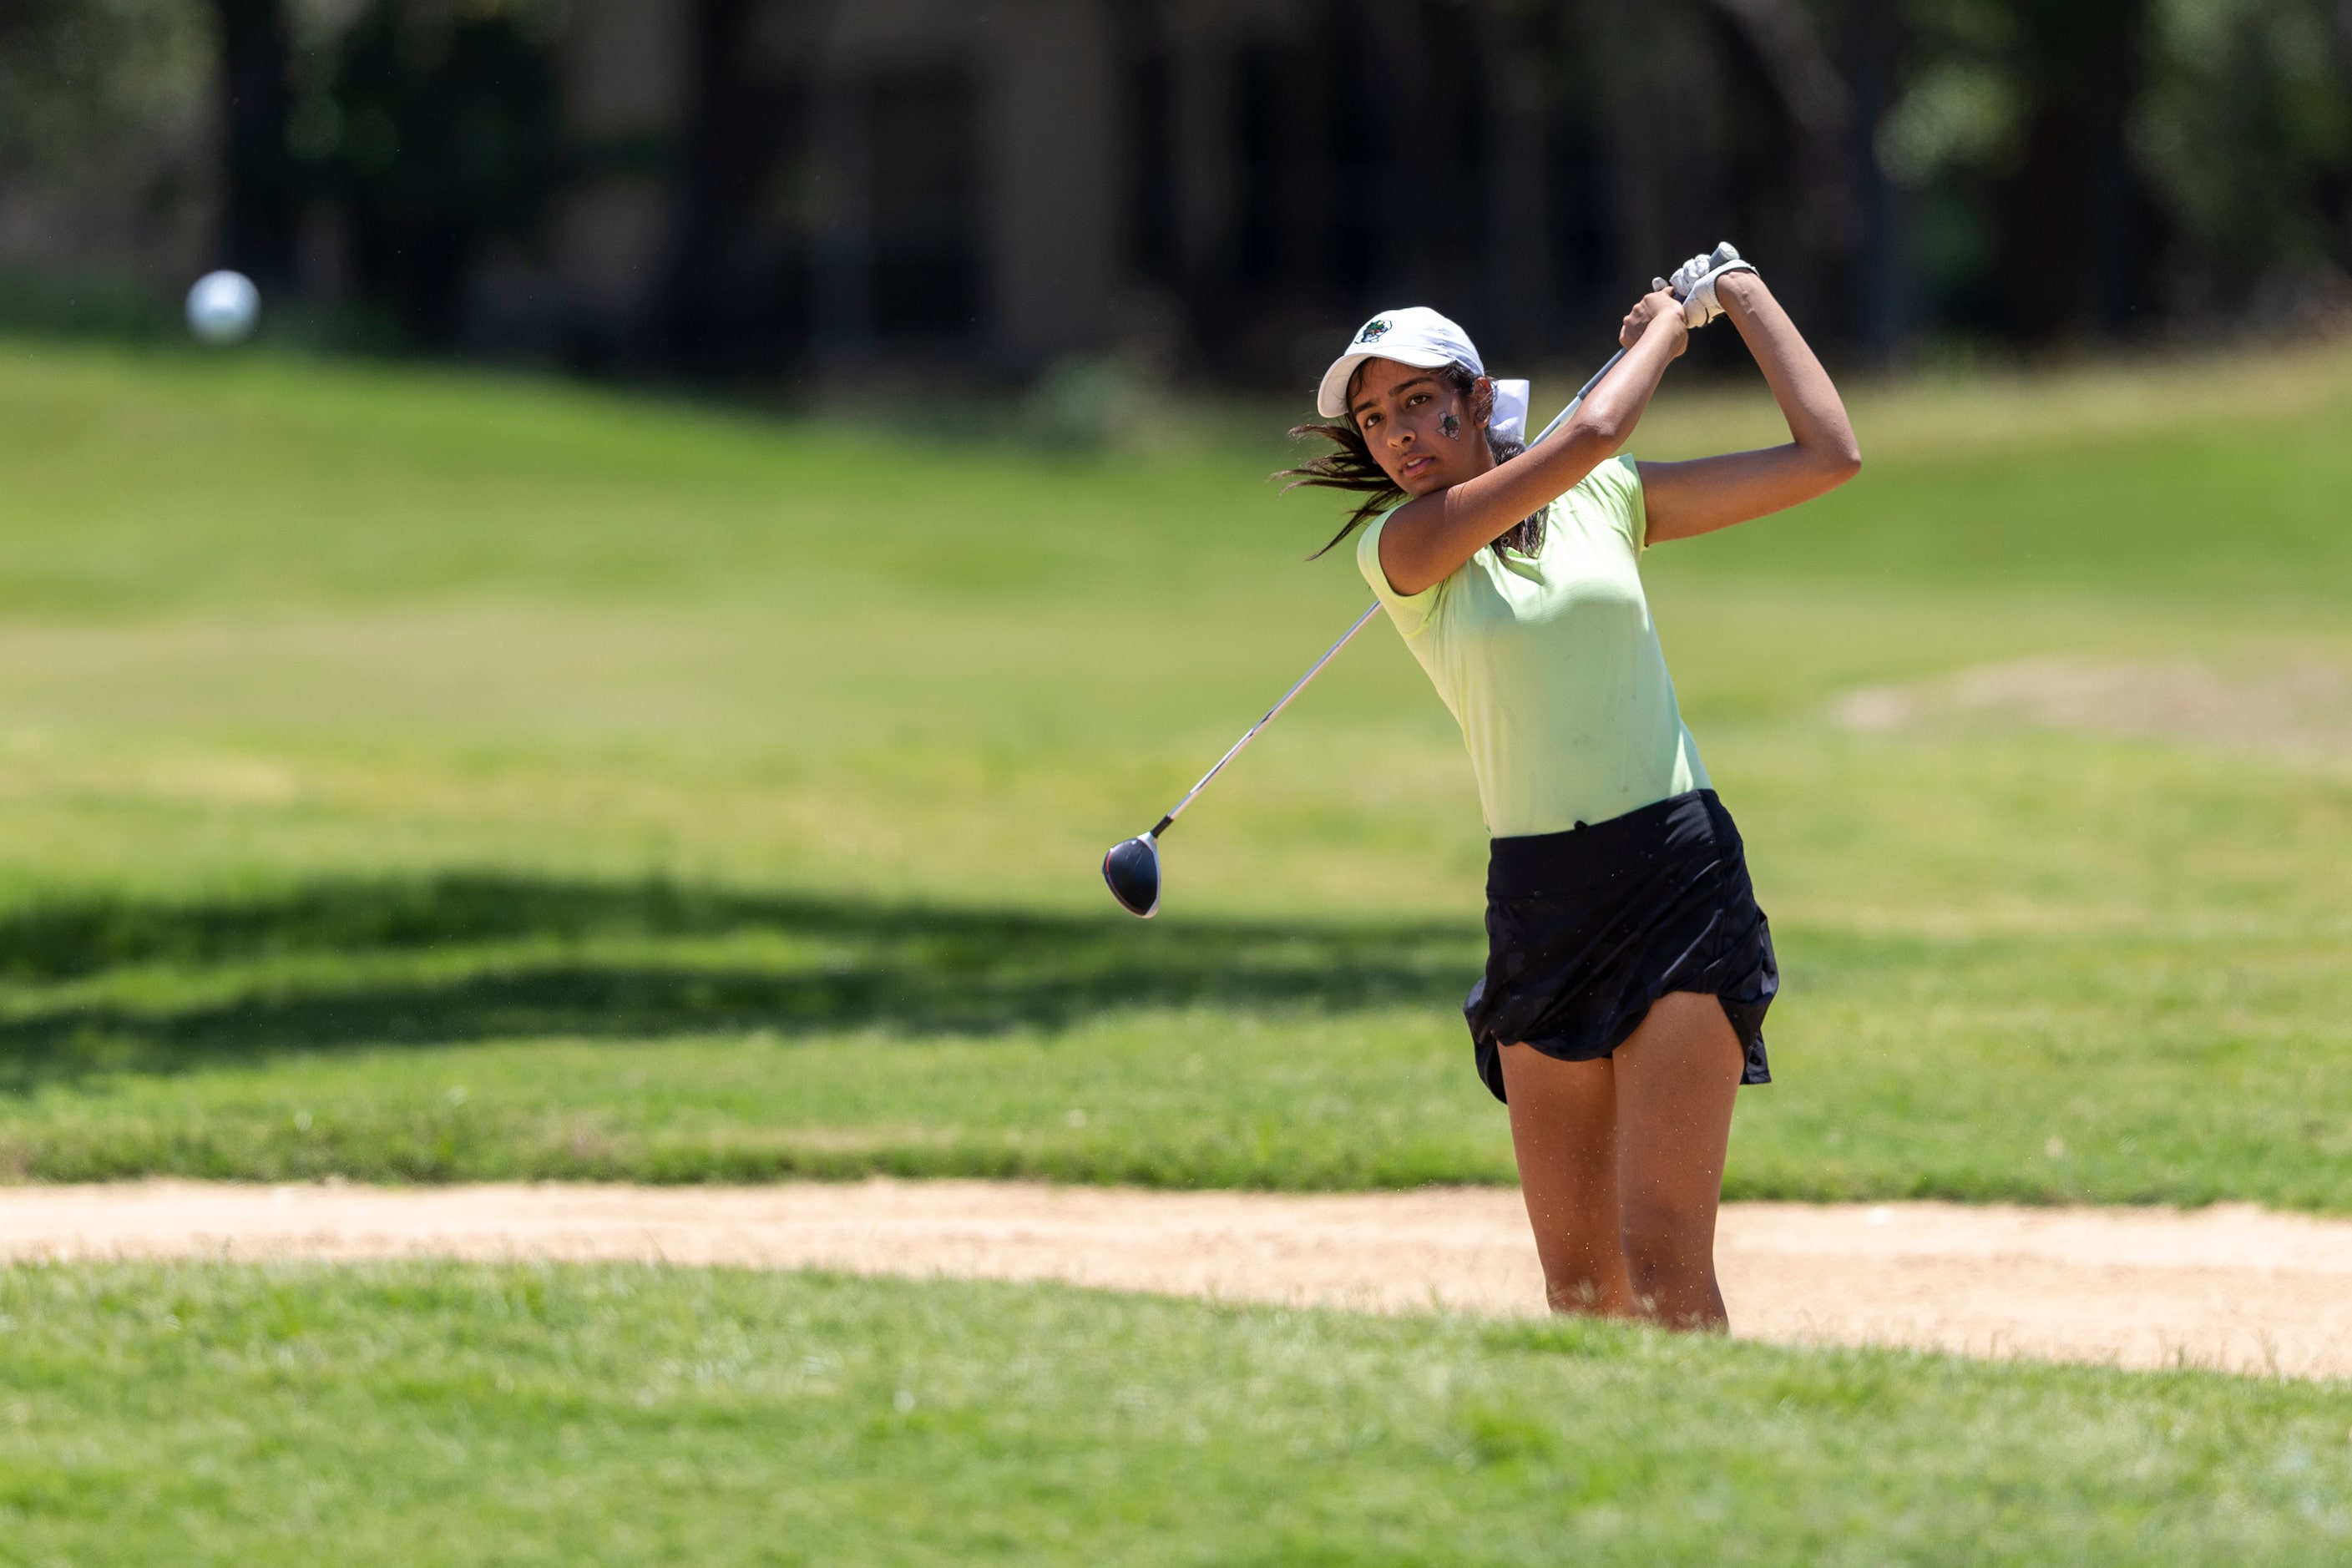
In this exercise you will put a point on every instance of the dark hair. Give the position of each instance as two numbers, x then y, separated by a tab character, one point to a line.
1351	467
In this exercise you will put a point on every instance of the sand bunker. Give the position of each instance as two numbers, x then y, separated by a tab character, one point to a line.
2298	707
2230	1286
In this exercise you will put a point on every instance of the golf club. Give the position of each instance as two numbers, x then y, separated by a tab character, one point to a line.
1132	866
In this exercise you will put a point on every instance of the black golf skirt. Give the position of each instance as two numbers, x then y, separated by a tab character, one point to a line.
1586	928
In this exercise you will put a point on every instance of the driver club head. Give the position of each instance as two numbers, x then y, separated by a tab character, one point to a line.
1131	867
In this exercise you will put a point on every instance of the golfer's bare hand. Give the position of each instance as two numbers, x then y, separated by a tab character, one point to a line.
1657	312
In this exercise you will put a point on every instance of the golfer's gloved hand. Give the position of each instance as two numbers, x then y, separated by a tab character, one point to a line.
1694	283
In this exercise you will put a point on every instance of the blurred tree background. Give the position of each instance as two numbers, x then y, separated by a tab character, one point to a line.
766	189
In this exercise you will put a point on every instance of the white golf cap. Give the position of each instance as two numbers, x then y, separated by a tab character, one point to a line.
1415	335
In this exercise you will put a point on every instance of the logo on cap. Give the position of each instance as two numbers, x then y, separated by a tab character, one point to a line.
1373	330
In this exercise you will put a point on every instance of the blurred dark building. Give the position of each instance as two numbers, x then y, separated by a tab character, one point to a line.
1220	183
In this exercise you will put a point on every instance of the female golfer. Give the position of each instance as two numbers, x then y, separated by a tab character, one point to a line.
1628	967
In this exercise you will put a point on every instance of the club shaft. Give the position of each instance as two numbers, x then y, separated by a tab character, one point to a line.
1313	671
1316	667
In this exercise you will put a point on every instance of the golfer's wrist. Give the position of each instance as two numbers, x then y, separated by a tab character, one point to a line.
1741	288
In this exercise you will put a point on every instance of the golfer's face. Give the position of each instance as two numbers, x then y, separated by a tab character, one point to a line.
1417	427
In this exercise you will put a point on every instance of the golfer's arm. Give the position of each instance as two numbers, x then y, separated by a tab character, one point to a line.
1426	540
1701	496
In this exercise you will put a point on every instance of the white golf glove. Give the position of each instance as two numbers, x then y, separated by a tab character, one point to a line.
1693	282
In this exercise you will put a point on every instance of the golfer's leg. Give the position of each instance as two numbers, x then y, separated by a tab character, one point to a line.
1676	1080
1562	1116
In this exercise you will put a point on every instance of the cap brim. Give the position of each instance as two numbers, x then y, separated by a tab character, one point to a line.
1331	397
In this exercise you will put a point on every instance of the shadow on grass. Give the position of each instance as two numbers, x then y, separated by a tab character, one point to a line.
845	963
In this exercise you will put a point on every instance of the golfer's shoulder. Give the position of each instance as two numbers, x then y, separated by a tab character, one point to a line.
1608	500
1367	553
1616	484
1410	611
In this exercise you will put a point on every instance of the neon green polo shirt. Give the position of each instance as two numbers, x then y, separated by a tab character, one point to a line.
1551	665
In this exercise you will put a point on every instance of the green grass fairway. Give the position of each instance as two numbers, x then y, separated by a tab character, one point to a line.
380	1414
426	776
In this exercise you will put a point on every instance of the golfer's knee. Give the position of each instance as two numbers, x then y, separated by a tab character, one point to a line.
1666	1248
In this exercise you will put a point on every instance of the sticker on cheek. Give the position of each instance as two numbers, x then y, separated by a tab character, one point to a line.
1452	427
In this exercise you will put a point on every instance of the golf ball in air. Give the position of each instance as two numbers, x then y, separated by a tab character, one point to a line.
223	307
